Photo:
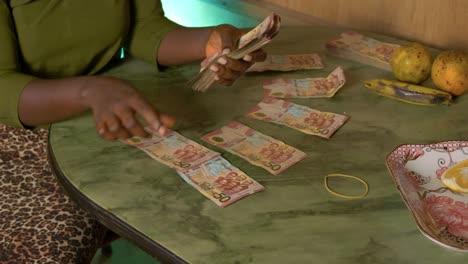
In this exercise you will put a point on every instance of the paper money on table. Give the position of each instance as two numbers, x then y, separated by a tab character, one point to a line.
354	46
299	117
220	181
275	62
306	87
173	150
249	42
256	148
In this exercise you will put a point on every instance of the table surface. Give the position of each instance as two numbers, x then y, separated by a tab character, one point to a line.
295	220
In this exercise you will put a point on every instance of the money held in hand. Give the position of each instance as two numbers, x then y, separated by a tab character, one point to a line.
251	41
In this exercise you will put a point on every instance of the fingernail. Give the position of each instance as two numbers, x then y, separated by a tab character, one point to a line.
248	57
156	126
130	124
213	56
214	68
114	128
226	51
216	77
162	131
222	61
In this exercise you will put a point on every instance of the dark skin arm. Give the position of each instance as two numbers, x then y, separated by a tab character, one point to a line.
204	43
115	103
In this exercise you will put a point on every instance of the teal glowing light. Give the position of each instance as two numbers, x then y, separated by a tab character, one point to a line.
122	53
202	13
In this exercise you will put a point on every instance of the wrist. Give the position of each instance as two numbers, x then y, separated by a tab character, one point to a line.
87	88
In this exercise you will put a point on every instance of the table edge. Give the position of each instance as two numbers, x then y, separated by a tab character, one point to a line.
108	219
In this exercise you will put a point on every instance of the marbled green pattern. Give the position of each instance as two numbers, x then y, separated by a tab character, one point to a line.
295	220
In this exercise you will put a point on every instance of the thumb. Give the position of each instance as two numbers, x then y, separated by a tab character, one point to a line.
229	44
230	36
222	39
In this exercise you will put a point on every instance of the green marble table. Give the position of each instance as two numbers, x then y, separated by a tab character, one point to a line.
295	220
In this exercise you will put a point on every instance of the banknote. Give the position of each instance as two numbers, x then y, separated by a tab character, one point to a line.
292	62
355	46
220	181
299	117
249	42
258	149
268	27
306	87
173	150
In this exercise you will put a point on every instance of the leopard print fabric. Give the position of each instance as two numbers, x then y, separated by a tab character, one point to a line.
38	222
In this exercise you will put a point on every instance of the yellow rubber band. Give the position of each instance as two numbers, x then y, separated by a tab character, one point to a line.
325	182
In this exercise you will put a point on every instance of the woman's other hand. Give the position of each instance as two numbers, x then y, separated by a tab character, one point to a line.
116	105
222	40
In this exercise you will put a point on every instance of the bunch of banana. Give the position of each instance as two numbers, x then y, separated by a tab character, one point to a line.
409	93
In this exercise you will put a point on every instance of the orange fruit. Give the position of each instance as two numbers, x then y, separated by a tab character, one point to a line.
450	72
456	177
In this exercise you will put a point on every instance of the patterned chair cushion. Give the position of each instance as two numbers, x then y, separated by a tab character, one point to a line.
38	222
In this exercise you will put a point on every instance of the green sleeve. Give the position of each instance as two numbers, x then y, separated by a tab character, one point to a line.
148	28
12	81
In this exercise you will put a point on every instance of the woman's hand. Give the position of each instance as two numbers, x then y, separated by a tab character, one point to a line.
222	40
116	105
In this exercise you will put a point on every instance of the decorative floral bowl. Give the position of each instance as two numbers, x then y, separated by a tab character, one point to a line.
441	214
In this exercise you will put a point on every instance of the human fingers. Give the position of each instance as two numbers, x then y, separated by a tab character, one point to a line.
225	82
233	64
108	136
130	123
226	76
102	127
256	56
149	114
167	120
115	128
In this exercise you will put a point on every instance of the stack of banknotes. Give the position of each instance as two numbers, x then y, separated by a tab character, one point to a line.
251	41
291	62
306	87
256	148
299	117
220	181
355	46
202	168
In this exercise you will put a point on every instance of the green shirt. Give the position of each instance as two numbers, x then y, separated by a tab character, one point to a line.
63	38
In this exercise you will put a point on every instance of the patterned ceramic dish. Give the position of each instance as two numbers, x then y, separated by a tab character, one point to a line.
441	214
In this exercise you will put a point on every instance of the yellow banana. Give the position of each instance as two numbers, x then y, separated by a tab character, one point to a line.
409	93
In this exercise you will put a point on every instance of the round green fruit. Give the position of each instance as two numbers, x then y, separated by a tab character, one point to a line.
412	63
